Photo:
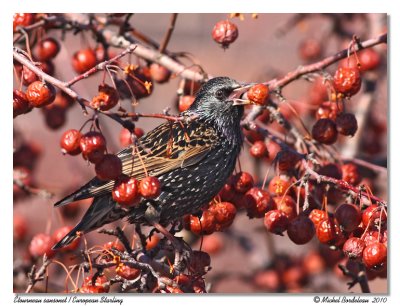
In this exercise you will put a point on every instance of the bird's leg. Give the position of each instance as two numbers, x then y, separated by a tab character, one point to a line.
153	216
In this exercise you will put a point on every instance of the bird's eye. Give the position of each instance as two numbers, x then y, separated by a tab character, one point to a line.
220	94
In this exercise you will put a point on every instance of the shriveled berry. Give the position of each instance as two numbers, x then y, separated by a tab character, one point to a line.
70	142
324	131
159	73
276	222
199	262
327	110
346	124
287	205
279	185
257	202
354	247
40	94
331	170
41	244
224	213
55	117
242	182
258	94
101	283
286	160
348	216
301	230
127	272
114	244
259	149
375	255
20	103
126	191
347	81
83	60
109	168
106	98
47	49
150	187
185	102
138	79
93	146
60	233
225	33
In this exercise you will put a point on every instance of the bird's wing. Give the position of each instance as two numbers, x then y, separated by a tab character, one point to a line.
167	147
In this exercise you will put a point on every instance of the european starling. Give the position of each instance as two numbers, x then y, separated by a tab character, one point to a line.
192	160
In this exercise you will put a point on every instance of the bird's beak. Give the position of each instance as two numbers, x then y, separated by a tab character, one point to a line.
237	95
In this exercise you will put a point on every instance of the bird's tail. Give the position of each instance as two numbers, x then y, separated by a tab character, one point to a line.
85	192
102	211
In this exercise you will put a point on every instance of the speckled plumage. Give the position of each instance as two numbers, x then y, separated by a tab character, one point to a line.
191	159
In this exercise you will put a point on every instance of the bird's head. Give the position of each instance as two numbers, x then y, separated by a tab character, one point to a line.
217	100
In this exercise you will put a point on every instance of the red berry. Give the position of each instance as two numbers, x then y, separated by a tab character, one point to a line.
20	103
347	81
374	235
313	263
70	142
40	94
242	182
47	49
127	272
286	160
60	234
91	289
375	255
372	216
101	284
114	244
28	76
258	94
109	168
351	174
369	59
328	231
106	98
348	216
301	230
268	280
353	248
20	226
279	185
224	213
199	262
310	49
257	202
185	102
346	124
62	100
23	175
213	244
276	221
203	226
22	20
225	33
126	191
324	131
125	138
83	60
150	187
152	241
259	149
138	132
287	205
41	244
159	73
93	146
